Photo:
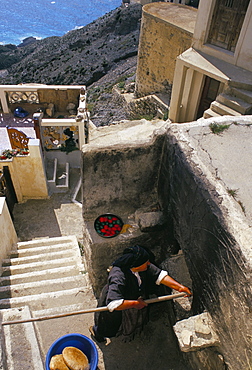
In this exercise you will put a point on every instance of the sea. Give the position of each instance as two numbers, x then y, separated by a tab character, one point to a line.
44	18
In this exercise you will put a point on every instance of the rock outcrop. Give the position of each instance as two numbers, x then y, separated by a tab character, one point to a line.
81	56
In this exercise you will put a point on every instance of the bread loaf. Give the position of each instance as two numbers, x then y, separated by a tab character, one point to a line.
75	358
57	363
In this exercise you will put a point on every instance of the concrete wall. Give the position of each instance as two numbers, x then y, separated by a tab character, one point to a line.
116	176
28	173
166	31
217	257
8	236
120	169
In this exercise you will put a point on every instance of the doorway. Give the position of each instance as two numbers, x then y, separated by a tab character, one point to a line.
209	93
7	189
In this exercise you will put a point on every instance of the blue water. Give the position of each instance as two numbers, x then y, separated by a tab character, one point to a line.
43	18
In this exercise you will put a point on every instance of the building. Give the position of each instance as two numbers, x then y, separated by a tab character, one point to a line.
214	76
166	31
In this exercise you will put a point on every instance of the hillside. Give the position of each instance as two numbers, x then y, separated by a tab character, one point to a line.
81	56
99	54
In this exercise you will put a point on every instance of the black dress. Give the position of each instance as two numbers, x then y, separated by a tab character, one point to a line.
123	284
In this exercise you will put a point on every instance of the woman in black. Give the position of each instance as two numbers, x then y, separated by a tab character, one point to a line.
131	280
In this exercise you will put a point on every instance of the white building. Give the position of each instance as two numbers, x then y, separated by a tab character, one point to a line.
214	76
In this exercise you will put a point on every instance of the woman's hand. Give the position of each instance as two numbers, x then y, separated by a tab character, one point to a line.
138	304
173	284
186	290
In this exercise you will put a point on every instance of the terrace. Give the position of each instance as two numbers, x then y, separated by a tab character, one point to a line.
53	106
53	128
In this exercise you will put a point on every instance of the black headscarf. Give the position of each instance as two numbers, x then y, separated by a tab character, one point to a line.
132	257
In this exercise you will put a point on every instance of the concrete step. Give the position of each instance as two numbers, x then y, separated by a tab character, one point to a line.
57	176
38	257
47	274
246	95
63	309
47	300
43	286
234	103
62	176
245	84
223	110
46	242
210	113
51	169
37	266
19	342
39	250
44	277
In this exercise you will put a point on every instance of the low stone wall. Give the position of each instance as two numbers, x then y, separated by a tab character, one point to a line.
149	106
216	256
116	167
8	234
120	175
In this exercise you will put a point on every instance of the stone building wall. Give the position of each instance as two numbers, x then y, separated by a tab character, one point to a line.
215	257
120	169
60	98
166	31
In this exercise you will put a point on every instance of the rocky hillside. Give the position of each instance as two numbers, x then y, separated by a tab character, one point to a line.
81	56
98	55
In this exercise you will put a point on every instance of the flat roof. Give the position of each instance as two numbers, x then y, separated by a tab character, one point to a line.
181	16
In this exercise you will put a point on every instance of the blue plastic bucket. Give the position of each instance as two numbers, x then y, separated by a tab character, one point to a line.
79	341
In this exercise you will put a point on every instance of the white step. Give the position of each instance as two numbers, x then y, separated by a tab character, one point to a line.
37	257
235	103
223	109
40	249
63	309
37	266
20	345
210	113
44	277
47	300
51	273
243	94
46	241
44	286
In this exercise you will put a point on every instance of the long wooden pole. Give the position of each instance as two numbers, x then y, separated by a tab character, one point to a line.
97	309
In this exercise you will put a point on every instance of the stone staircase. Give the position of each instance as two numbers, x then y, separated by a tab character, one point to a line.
42	277
57	176
236	100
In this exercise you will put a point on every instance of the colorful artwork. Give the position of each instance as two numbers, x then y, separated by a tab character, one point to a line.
61	138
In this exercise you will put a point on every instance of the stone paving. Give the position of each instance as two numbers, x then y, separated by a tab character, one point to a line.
56	216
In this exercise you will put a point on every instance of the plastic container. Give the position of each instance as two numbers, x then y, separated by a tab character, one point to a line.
79	341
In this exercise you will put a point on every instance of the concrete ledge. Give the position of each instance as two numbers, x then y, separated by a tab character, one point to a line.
196	333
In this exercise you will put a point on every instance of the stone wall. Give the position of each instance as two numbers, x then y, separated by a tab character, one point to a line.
120	175
8	235
118	178
219	269
60	98
161	41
